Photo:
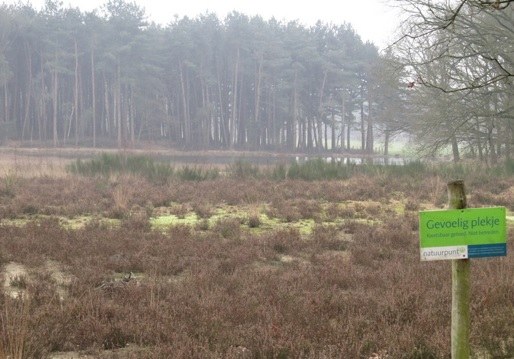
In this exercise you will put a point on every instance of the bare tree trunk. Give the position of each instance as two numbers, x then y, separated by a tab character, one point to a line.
490	140
258	96
309	133
117	106
386	142
55	92
42	109
224	135
6	103
321	111
28	95
294	118
333	145
107	105
479	143
343	122
455	149
363	131
93	94
235	88
130	116
369	132
76	94
185	104
348	136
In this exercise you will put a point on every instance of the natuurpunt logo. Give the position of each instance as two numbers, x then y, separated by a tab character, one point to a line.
445	252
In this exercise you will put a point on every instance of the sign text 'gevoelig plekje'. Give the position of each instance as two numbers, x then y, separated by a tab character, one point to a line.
462	233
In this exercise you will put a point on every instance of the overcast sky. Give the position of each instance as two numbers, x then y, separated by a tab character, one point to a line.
373	20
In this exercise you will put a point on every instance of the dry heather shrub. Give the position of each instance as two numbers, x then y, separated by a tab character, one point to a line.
483	198
121	197
285	211
203	210
327	237
198	296
411	205
228	228
395	233
347	212
180	232
54	196
373	209
365	188
202	224
254	220
372	244
411	220
353	226
180	210
283	241
332	212
137	220
308	209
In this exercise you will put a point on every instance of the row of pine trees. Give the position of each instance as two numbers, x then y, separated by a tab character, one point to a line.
110	77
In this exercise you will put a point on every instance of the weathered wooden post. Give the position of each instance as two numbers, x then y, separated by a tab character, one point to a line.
460	234
460	284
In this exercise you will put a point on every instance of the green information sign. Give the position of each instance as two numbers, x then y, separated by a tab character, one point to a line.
463	233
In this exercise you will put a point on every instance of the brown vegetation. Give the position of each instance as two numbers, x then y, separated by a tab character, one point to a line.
349	287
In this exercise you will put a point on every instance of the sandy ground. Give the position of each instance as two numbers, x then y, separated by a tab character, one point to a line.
12	273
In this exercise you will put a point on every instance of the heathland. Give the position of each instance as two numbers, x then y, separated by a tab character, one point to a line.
126	257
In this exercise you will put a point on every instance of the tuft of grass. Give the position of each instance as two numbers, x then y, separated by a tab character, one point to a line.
318	169
9	184
19	282
107	164
187	173
15	331
243	169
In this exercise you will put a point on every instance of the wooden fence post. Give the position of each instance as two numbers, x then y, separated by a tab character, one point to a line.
460	284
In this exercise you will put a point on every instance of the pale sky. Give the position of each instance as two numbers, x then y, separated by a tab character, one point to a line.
373	20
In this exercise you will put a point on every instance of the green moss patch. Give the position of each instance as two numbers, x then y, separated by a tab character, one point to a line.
165	221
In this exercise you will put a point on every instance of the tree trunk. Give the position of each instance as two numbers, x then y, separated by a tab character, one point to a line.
93	94
130	114
117	106
369	132
348	136
386	142
294	118
258	99
28	95
363	131
343	122
107	104
185	107
235	89
76	94
455	149
333	144
54	117
492	149
42	108
321	111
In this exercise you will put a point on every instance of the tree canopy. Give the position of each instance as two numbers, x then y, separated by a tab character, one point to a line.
460	57
110	76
